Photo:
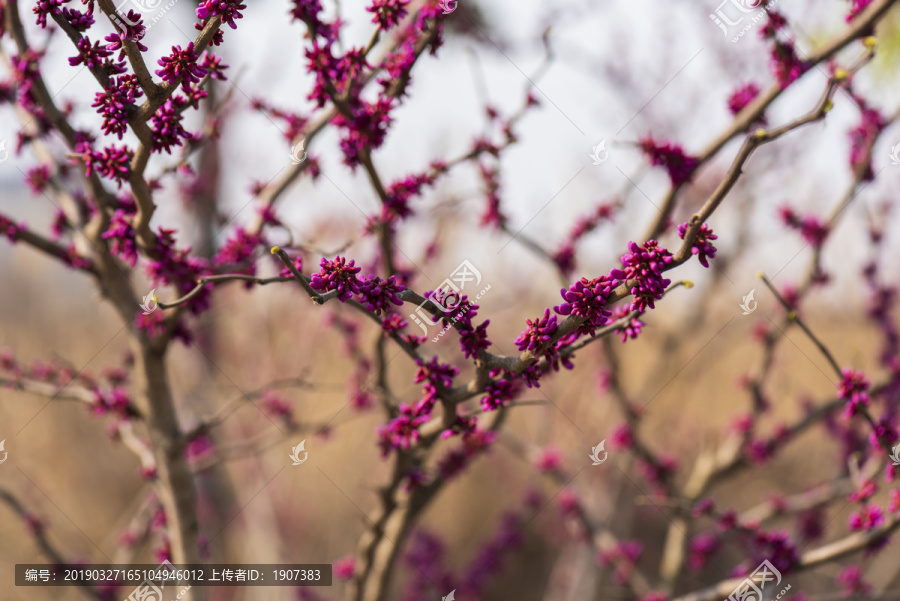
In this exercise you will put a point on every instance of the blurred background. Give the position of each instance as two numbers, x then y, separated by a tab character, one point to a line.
617	71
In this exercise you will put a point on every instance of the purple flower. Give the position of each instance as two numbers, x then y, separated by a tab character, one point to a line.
47	7
645	265
632	328
867	518
365	128
273	405
855	388
775	23
680	166
701	549
91	55
587	299
564	258
857	7
741	97
396	67
172	265
473	340
778	548
115	401
622	437
238	249
492	215
702	245
435	374
549	460
198	448
80	21
181	66
227	9
402	431
114	101
121	232
166	125
129	27
344	568
388	13
396	205
37	178
499	392
113	163
378	295
812	230
453	308
213	65
538	333
393	323
337	275
861	139
9	229
785	63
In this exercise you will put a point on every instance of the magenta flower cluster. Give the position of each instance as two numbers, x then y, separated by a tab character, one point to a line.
587	299
854	388
388	13
472	340
114	103
538	334
862	137
181	66
742	96
114	162
645	265
337	275
378	295
176	266
500	391
564	257
811	228
90	55
702	246
679	165
227	9
121	233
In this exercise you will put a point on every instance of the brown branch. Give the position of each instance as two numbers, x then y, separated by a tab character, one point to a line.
40	536
811	559
752	113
